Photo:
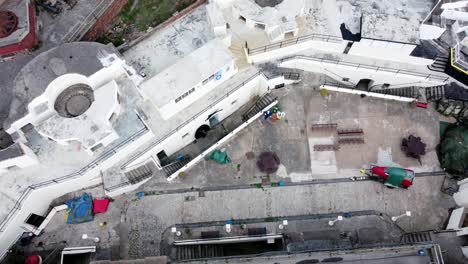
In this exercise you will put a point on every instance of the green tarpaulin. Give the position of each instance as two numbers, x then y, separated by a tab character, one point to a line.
220	157
395	176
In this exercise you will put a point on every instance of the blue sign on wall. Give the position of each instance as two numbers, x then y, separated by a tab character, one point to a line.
219	75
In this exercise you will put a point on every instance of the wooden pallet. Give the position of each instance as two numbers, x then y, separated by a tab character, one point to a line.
350	132
323	126
344	141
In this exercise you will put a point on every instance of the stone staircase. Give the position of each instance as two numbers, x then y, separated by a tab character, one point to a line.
259	106
237	49
171	168
435	92
416	237
199	252
140	173
276	33
439	64
409	92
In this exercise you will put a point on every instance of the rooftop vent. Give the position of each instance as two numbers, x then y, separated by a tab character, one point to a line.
74	100
8	23
270	3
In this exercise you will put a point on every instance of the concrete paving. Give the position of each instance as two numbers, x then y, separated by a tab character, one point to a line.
384	124
135	226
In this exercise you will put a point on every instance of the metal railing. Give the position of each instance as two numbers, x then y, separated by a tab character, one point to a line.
294	41
325	80
435	13
152	145
82	27
343	79
369	67
73	175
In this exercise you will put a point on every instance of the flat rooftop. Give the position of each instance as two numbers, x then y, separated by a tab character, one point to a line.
168	45
180	77
397	20
57	160
35	76
162	127
284	12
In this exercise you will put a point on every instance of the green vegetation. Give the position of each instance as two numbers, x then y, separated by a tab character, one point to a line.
150	13
257	185
116	39
270	219
453	151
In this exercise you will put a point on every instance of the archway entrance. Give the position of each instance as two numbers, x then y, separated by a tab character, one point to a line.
202	131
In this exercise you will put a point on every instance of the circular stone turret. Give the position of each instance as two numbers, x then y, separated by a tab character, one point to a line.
270	3
74	100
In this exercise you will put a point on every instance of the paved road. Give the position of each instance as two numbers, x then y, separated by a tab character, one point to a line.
142	221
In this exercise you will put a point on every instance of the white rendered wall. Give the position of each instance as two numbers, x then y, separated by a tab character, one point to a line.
223	3
355	74
172	108
465	251
256	87
217	19
220	142
387	50
461	197
430	31
456	219
103	76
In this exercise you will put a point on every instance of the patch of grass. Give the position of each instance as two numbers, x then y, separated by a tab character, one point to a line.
115	39
257	185
150	13
270	219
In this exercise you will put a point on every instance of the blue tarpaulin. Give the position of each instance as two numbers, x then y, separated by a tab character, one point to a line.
80	209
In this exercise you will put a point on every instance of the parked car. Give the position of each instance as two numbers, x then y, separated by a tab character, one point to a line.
392	177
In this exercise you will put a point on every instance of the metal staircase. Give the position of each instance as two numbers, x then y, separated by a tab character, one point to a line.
171	168
259	106
199	251
409	92
416	237
439	64
435	92
141	173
